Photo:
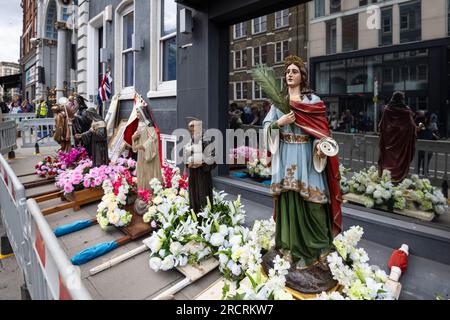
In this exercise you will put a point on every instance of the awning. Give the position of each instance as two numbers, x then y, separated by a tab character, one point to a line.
12	81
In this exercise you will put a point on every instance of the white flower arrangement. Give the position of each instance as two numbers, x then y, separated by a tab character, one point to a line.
349	266
257	286
110	213
410	193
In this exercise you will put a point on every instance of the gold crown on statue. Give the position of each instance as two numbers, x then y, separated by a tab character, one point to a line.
294	60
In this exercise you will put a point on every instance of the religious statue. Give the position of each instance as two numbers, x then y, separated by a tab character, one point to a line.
81	124
62	133
397	138
95	138
145	142
305	181
200	167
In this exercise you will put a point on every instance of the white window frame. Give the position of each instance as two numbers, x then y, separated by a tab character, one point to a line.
284	22
242	34
254	86
242	91
282	51
93	65
259	55
158	88
407	23
260	24
123	52
125	93
241	59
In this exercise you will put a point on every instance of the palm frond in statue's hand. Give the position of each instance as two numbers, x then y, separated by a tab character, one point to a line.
276	94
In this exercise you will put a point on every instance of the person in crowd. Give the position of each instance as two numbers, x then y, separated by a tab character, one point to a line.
397	138
234	116
348	121
424	133
247	116
334	121
256	119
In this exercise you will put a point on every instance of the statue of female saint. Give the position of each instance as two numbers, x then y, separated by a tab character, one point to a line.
305	184
145	143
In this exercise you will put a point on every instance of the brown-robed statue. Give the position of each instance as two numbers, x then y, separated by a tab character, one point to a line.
397	138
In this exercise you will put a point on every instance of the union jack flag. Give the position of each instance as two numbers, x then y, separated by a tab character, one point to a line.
104	92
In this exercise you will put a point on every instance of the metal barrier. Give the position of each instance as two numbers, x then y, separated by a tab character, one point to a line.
19	117
8	136
359	151
38	130
47	271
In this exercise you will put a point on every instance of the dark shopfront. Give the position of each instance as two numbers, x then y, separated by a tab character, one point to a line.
422	70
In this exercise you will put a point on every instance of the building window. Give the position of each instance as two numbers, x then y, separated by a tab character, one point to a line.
410	22
350	33
282	18
422	72
386	27
331	37
50	30
335	6
259	24
388	75
168	45
240	91
65	14
281	50
127	49
240	59
319	8
258	94
260	55
240	30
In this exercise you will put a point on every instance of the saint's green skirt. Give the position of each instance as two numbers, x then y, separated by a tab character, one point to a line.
302	227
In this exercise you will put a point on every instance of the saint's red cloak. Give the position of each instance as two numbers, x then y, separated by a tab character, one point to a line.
311	118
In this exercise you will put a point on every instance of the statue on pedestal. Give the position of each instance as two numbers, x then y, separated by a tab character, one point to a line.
305	182
145	143
62	133
200	166
95	138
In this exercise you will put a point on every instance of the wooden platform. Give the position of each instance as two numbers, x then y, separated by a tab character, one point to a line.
418	214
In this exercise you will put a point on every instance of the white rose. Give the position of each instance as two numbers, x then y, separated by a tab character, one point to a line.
223	229
216	239
168	263
175	248
155	263
223	259
235	240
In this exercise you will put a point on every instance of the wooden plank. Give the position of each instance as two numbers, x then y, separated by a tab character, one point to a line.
58	208
137	227
214	291
49	196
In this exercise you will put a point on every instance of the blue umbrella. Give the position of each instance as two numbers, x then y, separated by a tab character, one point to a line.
73	227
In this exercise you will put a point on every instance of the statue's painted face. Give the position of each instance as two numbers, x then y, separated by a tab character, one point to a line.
293	76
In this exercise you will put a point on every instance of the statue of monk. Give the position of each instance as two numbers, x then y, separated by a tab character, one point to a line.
95	138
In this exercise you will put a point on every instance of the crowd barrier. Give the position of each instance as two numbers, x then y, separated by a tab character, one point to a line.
8	136
47	271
